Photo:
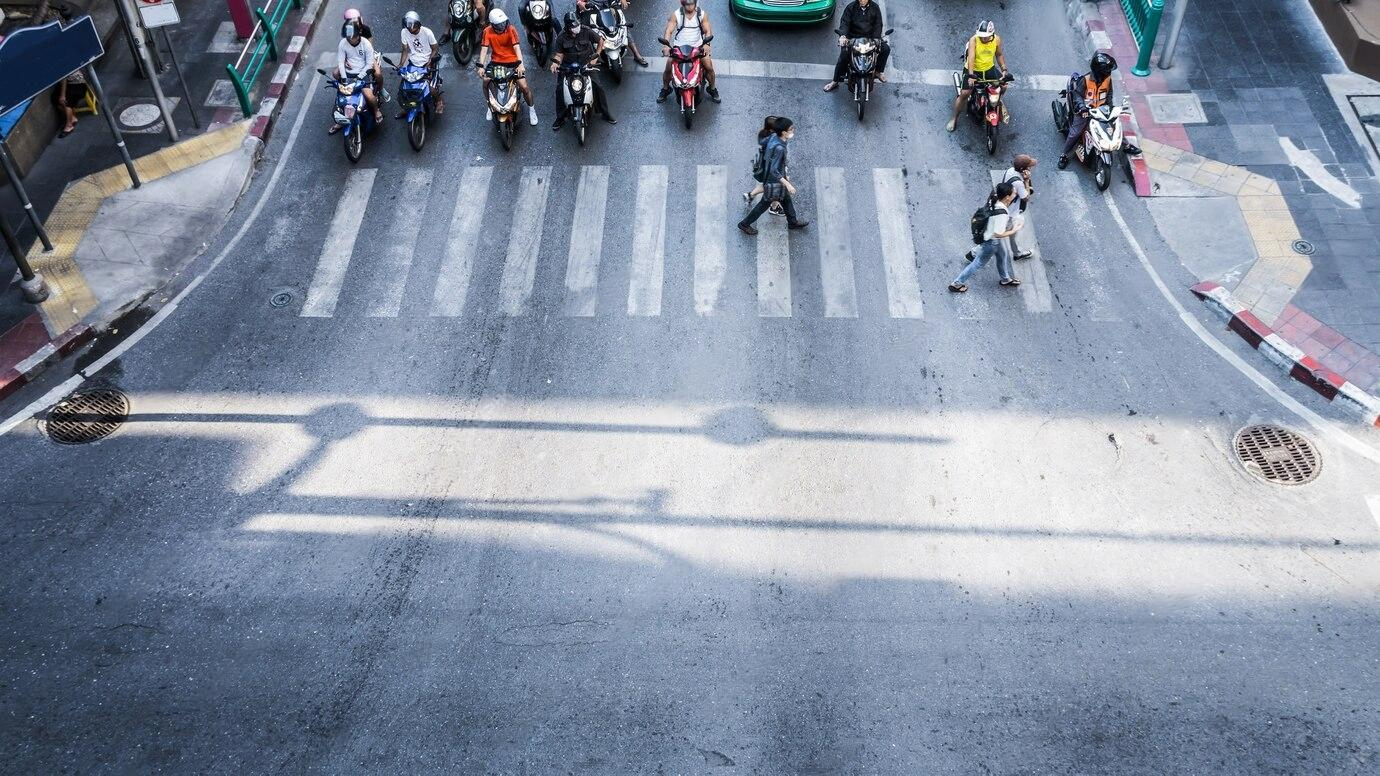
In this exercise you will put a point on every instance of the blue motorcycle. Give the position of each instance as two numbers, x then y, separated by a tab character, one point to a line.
415	97
351	113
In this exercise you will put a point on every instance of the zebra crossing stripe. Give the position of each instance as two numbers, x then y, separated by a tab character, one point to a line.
711	248
586	242
773	268
898	249
520	268
835	251
324	291
396	263
649	242
462	242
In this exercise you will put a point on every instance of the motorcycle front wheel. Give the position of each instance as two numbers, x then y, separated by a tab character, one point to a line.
462	45
354	144
991	139
860	97
1103	176
505	134
615	68
579	119
416	130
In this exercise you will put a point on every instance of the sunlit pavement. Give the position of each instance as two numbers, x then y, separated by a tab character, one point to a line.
522	503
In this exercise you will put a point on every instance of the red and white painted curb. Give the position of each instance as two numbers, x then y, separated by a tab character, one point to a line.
28	369
276	90
1087	20
1299	365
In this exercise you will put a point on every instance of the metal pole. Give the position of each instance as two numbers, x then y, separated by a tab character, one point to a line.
186	93
1153	11
31	283
131	16
129	40
13	174
95	84
1176	25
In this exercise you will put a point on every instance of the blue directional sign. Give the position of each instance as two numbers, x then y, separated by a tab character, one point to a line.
35	58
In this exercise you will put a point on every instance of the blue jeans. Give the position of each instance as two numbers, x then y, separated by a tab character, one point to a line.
984	253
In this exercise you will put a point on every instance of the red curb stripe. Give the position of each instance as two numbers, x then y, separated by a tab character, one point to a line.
12	379
291	58
276	88
1251	328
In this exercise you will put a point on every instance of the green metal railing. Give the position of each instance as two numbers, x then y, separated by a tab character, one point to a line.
1144	18
260	48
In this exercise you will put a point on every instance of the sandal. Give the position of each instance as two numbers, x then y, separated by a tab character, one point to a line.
958	288
831	86
1011	282
334	129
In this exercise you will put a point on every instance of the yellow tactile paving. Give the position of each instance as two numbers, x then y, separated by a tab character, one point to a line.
1278	272
70	298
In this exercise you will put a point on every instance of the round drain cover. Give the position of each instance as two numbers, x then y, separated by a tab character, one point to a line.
140	115
87	416
1303	247
1277	455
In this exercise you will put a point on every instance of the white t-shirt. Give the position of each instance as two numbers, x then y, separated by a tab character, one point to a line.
688	32
354	59
1018	183
998	222
418	47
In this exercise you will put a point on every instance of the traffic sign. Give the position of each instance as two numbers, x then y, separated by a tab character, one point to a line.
158	13
35	58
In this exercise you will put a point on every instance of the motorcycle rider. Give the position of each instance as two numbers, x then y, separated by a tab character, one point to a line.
861	19
578	43
420	48
1094	90
355	56
688	25
583	7
983	58
352	15
500	41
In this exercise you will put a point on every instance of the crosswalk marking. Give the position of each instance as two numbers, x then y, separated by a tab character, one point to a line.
711	249
1031	272
325	286
773	268
649	242
835	251
898	249
462	242
520	268
586	242
396	260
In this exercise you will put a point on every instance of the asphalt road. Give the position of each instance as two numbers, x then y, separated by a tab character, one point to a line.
585	521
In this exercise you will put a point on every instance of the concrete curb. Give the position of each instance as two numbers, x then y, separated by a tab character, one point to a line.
1086	19
26	371
1300	366
272	102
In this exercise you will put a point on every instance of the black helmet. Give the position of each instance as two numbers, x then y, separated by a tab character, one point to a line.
1102	65
572	22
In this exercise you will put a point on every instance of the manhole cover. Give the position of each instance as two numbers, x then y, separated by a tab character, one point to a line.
87	416
281	299
1277	455
1303	246
140	114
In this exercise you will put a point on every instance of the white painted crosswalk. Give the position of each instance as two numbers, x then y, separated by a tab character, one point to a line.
860	258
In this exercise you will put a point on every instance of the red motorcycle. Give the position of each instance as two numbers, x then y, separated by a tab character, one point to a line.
984	104
687	77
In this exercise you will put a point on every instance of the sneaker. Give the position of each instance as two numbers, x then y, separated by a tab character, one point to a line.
776	209
1023	255
747	200
968	257
489	115
747	228
558	123
713	94
532	115
950	126
801	224
1063	162
609	118
663	94
1131	150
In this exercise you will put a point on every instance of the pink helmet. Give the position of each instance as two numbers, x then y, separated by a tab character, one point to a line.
351	14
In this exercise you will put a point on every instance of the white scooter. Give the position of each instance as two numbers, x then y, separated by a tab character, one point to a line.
1102	143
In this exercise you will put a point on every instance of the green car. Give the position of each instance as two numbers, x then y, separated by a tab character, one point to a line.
783	11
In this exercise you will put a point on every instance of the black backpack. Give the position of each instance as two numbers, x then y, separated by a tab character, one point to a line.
978	223
759	164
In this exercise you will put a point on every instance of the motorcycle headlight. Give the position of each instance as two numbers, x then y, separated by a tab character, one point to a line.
538	10
578	84
457	8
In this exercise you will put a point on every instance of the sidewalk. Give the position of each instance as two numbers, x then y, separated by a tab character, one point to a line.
1261	183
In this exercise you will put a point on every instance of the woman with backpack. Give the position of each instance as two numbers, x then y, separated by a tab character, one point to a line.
991	225
759	168
776	187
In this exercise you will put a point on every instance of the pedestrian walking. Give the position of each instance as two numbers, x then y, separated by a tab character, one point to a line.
1018	175
776	187
994	224
759	168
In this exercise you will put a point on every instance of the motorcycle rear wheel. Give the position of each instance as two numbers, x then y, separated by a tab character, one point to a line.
462	46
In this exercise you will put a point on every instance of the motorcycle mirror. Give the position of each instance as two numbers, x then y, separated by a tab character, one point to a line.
663	41
386	59
323	72
888	32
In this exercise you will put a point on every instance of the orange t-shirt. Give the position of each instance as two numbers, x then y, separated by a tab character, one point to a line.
503	46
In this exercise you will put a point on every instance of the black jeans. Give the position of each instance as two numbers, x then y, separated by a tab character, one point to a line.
846	53
601	104
763	204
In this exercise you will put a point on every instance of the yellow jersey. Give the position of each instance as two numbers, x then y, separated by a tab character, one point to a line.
985	53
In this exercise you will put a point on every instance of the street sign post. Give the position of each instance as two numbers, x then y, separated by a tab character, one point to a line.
158	13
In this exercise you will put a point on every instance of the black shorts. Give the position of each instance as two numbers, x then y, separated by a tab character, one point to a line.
993	74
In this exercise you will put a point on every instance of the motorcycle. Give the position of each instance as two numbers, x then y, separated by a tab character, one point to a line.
541	30
502	91
984	105
1102	142
610	20
862	69
464	30
415	97
353	116
577	84
687	77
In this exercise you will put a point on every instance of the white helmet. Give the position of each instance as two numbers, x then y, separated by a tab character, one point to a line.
498	18
411	18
